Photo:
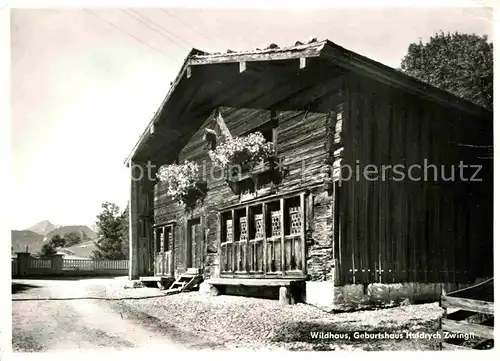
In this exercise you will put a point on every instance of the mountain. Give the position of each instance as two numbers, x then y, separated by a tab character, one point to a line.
43	227
85	232
21	239
44	230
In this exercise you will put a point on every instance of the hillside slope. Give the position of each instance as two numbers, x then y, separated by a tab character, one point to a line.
21	239
82	250
82	230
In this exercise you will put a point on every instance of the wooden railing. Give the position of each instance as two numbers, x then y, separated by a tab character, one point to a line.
472	317
40	263
94	265
266	239
243	256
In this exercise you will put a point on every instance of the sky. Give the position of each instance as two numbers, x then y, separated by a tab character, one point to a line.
85	83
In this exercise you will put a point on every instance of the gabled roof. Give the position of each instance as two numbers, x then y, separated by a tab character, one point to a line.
340	56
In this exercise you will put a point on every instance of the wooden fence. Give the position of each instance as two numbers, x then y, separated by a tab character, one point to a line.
40	263
94	265
25	266
14	266
467	323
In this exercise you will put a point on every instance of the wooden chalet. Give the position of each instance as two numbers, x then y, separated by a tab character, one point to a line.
304	221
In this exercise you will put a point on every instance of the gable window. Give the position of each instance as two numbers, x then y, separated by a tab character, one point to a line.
263	177
269	131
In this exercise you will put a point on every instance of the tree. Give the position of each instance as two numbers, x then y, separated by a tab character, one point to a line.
58	241
85	236
125	226
72	238
459	63
48	249
111	223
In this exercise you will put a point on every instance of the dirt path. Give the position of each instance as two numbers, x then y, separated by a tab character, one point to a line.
52	325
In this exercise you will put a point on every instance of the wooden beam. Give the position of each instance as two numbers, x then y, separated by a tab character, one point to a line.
188	72
203	242
303	62
270	282
468	304
264	239
247	244
222	124
172	251
187	247
133	221
220	221
282	226
163	130
459	327
243	66
233	252
306	51
449	346
303	230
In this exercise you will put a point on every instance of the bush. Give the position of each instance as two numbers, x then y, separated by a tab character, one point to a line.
48	249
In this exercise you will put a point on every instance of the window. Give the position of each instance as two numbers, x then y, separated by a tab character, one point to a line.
142	228
273	218
158	239
164	238
256	226
266	237
167	239
293	217
262	183
269	130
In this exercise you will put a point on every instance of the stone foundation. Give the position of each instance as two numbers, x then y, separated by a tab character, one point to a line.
325	295
208	289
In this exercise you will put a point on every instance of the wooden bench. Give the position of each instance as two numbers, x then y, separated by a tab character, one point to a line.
286	296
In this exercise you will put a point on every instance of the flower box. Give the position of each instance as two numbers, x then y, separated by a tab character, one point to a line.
251	173
242	153
182	181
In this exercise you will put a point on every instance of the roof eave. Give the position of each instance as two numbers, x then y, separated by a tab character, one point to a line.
379	71
198	57
145	134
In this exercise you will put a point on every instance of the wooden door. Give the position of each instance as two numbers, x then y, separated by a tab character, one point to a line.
144	259
194	251
163	250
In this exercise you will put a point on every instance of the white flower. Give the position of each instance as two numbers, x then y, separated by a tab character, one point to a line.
180	178
250	149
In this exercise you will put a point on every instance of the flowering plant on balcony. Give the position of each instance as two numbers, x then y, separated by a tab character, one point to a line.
181	180
245	152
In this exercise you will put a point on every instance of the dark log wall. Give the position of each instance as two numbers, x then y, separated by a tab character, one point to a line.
385	231
301	146
426	231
